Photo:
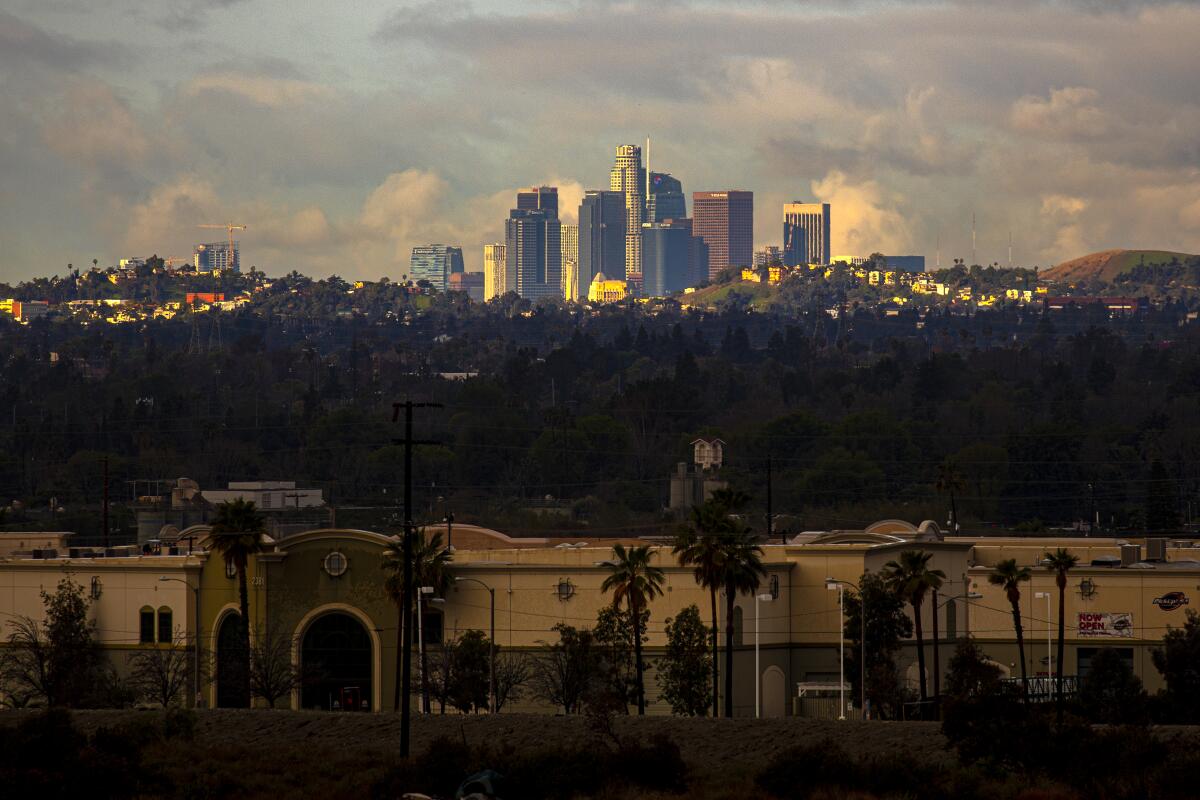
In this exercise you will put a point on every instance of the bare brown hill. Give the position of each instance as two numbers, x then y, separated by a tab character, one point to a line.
1108	264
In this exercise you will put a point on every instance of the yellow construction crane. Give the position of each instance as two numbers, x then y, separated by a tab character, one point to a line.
231	227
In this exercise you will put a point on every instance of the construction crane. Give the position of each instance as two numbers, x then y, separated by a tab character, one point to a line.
231	227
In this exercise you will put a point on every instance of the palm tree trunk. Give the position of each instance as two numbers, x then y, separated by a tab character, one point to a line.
716	664
916	607
637	659
730	600
244	605
1016	614
399	654
1058	674
424	666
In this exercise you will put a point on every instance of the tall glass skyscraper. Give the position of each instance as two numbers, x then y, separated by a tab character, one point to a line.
806	233
666	200
494	270
601	236
435	263
533	246
628	178
670	257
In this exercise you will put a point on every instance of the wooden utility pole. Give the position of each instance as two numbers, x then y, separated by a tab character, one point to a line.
770	510
406	595
104	514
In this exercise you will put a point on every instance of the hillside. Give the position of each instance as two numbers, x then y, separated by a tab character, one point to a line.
1108	264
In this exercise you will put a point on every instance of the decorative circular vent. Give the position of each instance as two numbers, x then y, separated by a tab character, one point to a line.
336	564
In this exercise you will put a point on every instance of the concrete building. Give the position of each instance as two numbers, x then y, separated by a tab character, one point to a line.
569	245
24	311
666	199
605	290
601	235
628	177
471	283
805	233
767	256
494	270
435	263
539	198
215	257
533	247
725	221
571	281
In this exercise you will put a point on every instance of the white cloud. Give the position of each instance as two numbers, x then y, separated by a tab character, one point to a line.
864	217
259	89
1068	113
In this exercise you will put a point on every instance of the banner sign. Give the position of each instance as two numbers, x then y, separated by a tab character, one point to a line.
1171	601
1105	624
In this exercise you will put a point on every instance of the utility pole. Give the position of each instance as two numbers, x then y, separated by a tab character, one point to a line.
770	514
406	601
104	514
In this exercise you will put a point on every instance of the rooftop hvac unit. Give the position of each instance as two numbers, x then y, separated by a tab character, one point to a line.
1130	554
1156	549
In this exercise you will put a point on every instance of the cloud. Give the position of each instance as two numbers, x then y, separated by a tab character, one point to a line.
1068	113
864	217
259	89
1060	205
90	124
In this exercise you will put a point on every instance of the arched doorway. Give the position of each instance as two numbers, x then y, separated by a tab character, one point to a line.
774	693
233	673
336	658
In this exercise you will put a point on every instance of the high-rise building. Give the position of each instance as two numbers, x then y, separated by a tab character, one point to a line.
805	233
469	282
214	257
569	241
435	263
666	200
670	257
533	246
570	280
725	221
628	178
494	271
767	256
601	235
538	198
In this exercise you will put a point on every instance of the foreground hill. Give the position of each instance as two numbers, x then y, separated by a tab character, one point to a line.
1108	264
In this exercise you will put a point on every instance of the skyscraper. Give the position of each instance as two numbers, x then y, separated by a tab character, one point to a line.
494	270
666	200
533	246
669	256
214	257
806	233
601	236
628	178
725	221
569	244
435	263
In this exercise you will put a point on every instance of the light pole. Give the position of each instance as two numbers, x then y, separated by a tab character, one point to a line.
196	644
836	585
765	597
831	584
492	653
1049	640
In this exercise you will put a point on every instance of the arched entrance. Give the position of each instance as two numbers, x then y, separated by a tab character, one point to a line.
336	658
774	693
233	684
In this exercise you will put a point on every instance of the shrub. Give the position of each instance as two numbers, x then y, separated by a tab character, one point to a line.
798	772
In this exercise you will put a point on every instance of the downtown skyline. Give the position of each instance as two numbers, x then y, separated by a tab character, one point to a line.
406	124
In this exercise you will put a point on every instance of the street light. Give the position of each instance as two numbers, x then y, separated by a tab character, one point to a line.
1049	642
195	645
492	654
835	585
765	597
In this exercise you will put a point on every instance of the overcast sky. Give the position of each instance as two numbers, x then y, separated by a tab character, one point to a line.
344	133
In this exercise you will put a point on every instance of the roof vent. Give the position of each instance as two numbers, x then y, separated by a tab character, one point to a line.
1156	549
1130	554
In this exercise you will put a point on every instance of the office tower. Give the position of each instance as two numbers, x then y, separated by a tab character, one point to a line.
767	256
669	256
601	235
214	257
725	221
570	280
435	263
628	178
569	240
494	270
539	198
533	250
469	282
666	200
806	233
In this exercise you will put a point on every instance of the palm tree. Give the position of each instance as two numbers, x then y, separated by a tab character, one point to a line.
1060	562
742	573
911	578
950	482
1008	575
237	534
431	562
633	580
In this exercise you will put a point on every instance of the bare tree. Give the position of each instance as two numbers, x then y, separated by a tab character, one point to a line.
513	672
162	673
568	673
442	674
272	673
25	665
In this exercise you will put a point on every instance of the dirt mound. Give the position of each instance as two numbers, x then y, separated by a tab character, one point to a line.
1108	264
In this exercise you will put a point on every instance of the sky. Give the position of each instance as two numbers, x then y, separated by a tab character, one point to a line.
342	134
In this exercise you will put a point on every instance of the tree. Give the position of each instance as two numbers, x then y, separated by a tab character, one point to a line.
1178	661
970	674
431	567
911	578
1161	511
887	625
273	674
469	685
1007	575
613	637
237	534
566	674
683	671
56	660
162	673
512	674
950	482
1111	693
1060	562
742	573
634	581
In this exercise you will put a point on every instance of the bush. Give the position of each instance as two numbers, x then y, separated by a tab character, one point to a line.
800	771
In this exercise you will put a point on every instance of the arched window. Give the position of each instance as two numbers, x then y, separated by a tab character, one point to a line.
146	627
166	631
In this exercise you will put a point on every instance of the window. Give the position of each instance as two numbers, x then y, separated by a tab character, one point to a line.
166	631
146	633
230	570
336	564
431	623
